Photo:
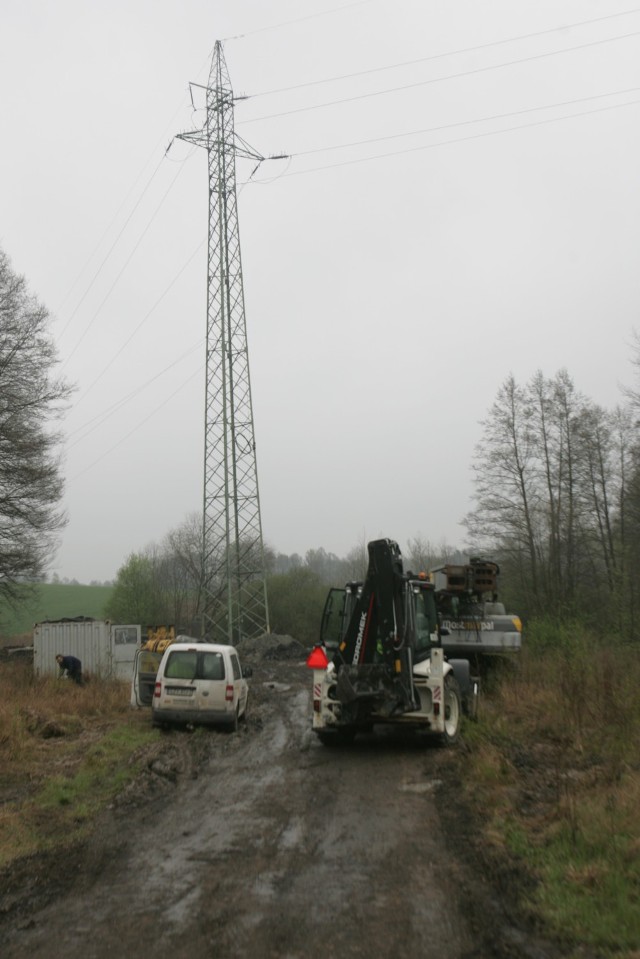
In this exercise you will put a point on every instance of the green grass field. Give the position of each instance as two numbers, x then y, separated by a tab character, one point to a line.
54	601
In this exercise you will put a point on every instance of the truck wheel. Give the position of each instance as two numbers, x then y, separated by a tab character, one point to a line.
338	737
452	710
327	739
470	702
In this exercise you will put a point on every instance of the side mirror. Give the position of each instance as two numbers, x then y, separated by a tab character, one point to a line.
247	672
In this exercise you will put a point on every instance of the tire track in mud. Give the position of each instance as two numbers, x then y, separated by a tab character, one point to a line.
343	858
281	847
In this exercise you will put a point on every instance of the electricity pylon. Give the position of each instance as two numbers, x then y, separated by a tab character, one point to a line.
234	579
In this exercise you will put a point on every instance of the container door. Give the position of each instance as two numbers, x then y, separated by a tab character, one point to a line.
125	641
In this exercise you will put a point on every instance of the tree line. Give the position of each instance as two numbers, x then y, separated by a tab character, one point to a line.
556	501
32	400
162	583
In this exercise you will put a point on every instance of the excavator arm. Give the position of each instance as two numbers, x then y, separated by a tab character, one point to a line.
375	658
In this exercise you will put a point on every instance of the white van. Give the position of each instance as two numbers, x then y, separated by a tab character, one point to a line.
200	683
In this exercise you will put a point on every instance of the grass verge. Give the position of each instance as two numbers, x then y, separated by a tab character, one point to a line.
65	754
555	759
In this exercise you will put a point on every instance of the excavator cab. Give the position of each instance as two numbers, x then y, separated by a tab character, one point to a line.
420	616
426	620
336	614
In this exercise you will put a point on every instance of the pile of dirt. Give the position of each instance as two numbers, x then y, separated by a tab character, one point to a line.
269	647
39	725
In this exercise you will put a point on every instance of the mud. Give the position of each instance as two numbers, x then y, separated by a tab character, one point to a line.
265	843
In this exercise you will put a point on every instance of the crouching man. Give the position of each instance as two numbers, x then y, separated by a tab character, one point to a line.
70	666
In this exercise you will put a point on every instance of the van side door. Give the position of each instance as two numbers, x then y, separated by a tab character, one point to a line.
240	685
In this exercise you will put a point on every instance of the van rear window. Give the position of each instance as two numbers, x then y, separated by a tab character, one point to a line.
182	665
212	666
192	664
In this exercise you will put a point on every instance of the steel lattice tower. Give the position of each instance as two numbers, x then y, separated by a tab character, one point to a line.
234	583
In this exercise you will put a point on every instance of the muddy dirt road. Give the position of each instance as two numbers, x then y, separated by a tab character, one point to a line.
265	843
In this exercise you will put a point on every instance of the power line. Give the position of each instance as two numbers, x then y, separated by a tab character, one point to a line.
451	76
459	123
102	417
124	267
141	323
91	425
128	340
117	213
109	252
288	23
137	427
378	156
441	56
475	136
343	146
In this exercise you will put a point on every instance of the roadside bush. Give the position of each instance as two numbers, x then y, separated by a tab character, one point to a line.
547	635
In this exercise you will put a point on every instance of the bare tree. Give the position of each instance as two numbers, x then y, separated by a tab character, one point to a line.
599	482
569	409
182	572
356	562
554	493
422	555
32	398
507	490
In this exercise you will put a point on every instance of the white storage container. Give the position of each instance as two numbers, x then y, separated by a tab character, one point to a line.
104	649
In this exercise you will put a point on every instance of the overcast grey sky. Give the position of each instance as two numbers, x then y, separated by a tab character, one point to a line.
461	203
